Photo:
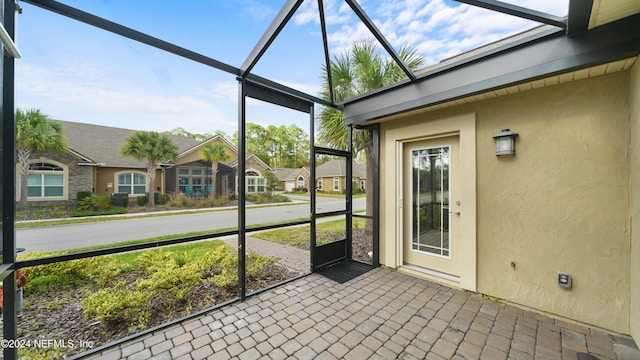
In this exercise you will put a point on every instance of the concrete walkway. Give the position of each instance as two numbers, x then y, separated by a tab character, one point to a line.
382	314
295	259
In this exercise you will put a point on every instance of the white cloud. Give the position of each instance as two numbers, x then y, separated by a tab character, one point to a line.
78	92
437	28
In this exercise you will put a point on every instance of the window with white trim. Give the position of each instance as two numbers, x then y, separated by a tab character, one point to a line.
336	184
319	184
46	181
255	182
132	183
300	182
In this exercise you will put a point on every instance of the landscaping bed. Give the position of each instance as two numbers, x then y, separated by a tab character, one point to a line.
96	301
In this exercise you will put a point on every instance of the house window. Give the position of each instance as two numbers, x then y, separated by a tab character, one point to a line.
300	182
45	180
193	180
132	183
196	182
336	184
255	182
319	184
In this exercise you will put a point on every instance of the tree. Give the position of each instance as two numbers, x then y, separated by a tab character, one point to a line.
272	181
179	131
154	148
277	146
35	131
213	153
355	72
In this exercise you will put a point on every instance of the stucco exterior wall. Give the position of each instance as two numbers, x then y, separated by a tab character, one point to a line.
560	205
107	175
327	184
634	101
195	155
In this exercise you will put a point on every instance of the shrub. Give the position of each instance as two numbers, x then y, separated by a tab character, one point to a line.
256	264
120	199
94	202
255	198
180	200
119	305
263	198
300	190
143	200
82	195
163	199
100	270
112	211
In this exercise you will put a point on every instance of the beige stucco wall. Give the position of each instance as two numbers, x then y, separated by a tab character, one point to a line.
327	184
194	155
107	175
560	205
635	202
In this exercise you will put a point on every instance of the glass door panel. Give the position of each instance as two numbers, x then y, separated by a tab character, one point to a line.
430	200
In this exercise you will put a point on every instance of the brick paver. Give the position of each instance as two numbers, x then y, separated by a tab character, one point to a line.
383	314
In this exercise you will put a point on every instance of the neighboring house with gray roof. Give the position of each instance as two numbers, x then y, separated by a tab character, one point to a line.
293	178
95	163
331	176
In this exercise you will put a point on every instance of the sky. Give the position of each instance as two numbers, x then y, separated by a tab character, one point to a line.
75	72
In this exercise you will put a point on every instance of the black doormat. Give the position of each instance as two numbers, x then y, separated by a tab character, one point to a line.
345	271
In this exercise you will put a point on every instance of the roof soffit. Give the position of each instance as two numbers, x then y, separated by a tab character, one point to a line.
547	56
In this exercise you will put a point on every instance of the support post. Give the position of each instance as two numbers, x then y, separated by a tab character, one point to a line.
242	208
7	179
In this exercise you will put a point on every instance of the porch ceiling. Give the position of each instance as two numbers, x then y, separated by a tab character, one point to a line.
606	11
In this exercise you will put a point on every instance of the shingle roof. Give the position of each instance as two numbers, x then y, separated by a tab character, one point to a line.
284	174
102	144
337	167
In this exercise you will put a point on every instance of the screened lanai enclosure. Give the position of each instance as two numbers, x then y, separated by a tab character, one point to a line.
227	73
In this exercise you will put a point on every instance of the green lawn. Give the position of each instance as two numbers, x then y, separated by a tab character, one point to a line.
300	235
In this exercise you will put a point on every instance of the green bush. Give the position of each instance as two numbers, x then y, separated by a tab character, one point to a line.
119	305
256	264
163	199
120	199
101	270
143	200
262	198
171	278
112	211
94	203
82	195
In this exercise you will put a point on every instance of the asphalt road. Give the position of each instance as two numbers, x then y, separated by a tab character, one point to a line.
99	233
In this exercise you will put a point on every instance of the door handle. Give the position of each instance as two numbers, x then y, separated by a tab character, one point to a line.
457	212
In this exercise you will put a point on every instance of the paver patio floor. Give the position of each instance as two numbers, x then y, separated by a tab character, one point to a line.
383	314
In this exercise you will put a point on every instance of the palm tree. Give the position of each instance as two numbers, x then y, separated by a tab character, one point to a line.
154	147
213	153
35	131
356	72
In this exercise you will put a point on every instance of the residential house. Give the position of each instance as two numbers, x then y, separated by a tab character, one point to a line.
552	227
331	176
94	162
291	178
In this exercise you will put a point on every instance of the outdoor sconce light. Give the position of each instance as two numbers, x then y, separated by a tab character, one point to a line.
505	142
